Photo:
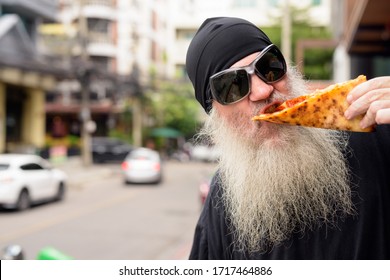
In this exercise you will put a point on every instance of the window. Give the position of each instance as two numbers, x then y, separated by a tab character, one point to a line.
4	166
273	3
181	72
99	25
185	34
101	62
31	166
316	2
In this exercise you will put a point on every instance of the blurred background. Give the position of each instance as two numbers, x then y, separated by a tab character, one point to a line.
85	83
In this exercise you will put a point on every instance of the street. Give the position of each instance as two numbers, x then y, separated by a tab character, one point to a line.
101	218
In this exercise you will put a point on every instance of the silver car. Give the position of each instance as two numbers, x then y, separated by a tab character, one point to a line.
27	180
142	165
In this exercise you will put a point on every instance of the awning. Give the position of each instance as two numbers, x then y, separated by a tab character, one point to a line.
165	132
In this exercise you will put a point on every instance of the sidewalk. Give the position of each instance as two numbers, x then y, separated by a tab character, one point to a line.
78	174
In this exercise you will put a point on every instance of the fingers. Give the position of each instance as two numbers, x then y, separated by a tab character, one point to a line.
371	98
377	113
383	116
373	84
362	104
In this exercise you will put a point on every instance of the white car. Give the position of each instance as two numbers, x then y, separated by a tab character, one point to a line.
142	165
29	179
204	153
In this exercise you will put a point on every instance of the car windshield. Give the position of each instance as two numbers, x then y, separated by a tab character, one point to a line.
4	166
142	156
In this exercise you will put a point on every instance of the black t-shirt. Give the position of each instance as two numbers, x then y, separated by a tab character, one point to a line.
362	236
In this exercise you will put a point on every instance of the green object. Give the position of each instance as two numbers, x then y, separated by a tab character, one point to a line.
165	132
50	253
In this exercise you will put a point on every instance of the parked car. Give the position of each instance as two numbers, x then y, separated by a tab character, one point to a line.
205	153
29	179
142	165
107	149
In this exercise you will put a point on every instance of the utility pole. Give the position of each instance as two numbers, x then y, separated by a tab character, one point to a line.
85	113
286	31
137	122
137	92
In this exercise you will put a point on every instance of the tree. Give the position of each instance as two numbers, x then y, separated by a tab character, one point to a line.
317	61
172	104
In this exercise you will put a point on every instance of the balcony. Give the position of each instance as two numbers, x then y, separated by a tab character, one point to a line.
103	9
108	3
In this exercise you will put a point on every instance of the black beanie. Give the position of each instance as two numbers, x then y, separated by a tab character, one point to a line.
217	45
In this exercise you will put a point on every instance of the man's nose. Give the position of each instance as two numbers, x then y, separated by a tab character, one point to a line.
259	89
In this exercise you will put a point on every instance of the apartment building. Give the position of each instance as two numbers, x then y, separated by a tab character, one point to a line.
187	16
85	41
118	42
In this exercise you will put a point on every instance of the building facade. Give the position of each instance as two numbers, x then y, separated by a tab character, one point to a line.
25	75
187	15
121	41
362	31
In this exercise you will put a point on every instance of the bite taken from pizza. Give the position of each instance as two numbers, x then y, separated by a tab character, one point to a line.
322	109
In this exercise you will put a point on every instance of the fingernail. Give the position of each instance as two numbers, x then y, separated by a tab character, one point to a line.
347	115
349	98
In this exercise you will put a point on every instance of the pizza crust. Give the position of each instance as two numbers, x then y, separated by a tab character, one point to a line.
323	109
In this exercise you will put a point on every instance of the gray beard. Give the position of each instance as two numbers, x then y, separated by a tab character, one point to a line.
278	179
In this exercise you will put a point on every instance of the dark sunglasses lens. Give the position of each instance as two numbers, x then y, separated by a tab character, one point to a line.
231	86
272	65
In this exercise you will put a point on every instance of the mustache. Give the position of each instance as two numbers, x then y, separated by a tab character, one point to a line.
275	96
296	86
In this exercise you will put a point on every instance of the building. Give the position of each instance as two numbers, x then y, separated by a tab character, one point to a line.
362	31
25	74
187	15
119	41
84	40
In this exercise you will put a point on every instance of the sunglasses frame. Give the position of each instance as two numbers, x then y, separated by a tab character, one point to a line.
249	69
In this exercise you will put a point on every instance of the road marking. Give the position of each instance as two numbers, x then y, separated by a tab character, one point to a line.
58	219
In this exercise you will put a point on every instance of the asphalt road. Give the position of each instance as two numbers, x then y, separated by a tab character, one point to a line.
103	219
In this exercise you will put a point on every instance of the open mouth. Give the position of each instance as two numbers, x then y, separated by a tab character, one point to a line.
270	108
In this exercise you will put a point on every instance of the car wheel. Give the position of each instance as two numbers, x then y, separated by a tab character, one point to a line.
24	201
61	192
158	181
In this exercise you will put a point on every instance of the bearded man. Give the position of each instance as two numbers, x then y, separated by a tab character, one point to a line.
285	192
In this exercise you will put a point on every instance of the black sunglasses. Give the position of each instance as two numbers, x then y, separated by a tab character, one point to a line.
232	85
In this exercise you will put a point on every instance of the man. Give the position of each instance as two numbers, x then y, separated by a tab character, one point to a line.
285	192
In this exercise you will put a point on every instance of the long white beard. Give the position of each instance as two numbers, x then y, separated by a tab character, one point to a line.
278	179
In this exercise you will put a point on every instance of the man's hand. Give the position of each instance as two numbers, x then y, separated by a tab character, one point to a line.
371	98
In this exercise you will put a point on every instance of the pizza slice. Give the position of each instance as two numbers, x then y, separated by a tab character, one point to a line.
323	108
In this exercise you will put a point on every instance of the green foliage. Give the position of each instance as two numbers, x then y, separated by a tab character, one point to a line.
173	105
317	64
124	124
120	134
